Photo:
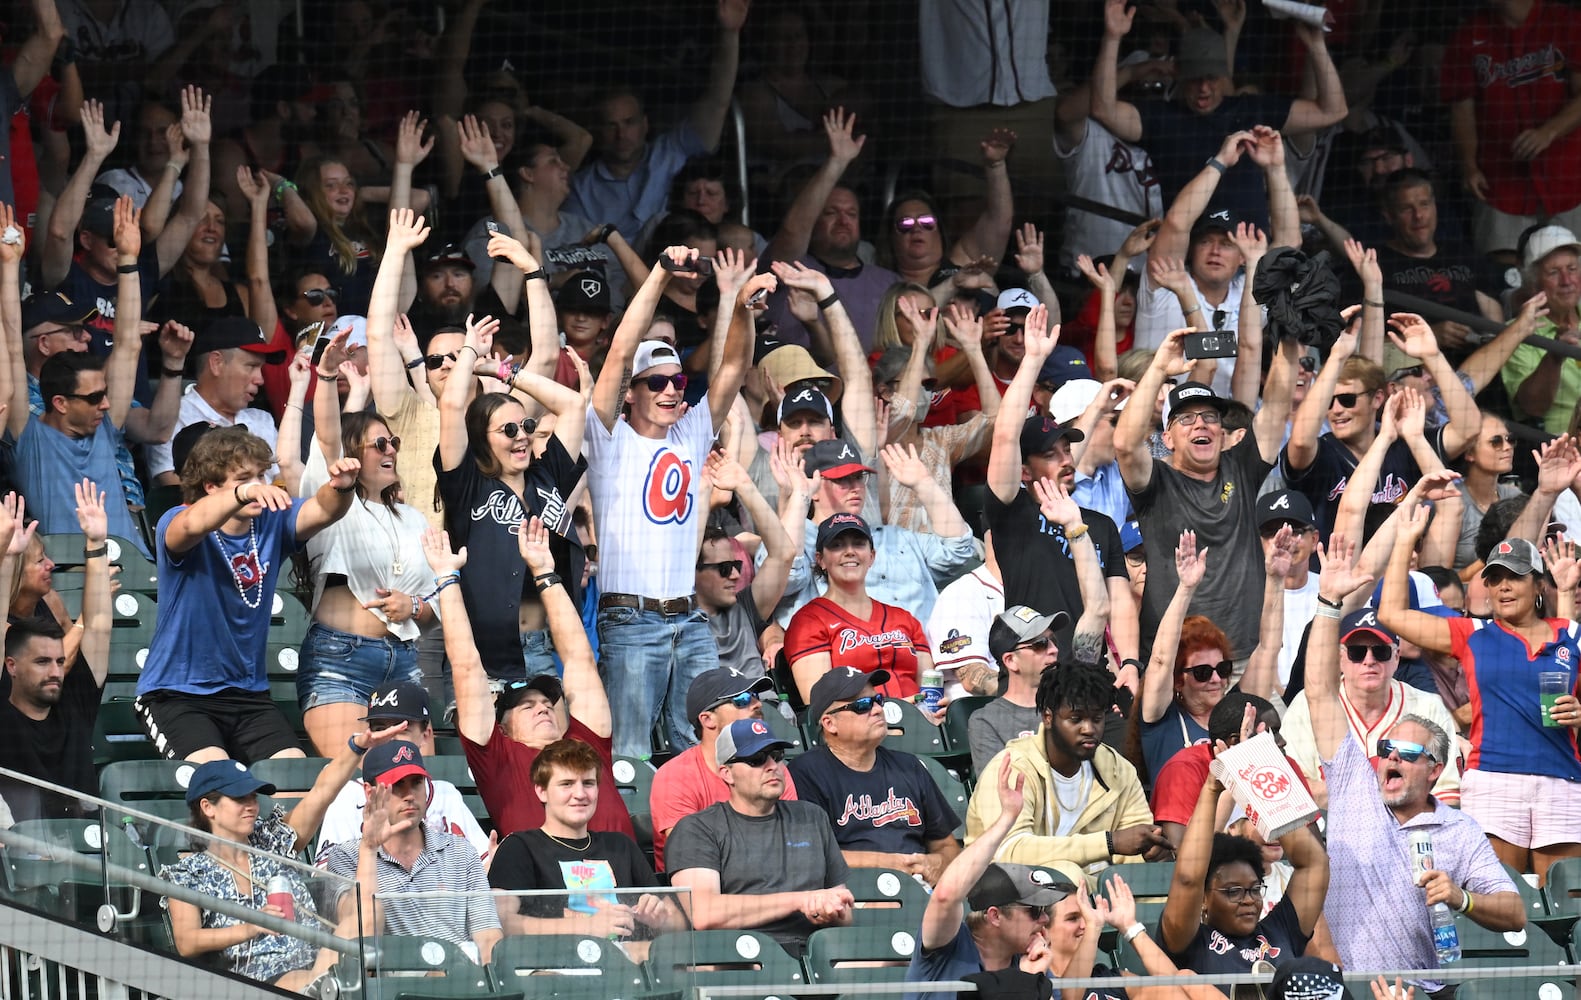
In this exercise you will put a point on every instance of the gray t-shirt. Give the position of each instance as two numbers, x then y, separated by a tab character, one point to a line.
1471	522
736	630
994	725
790	850
1223	513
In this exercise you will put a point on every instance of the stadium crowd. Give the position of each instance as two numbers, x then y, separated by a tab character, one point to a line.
572	466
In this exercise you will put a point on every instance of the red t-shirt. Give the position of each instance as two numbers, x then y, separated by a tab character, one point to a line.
503	769
1179	784
890	639
1519	78
685	785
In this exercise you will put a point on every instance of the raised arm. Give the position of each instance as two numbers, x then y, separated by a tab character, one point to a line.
1284	219
584	691
1130	433
1244	387
308	814
198	129
1105	356
1351	515
1174	236
410	151
1262	667
908	469
1486	361
1364	261
60	236
724	382
96	619
1183	909
1339	579
991	232
120	372
474	702
156	210
543	327
562	401
156	423
941	920
1394	611
1329	107
386	368
856	402
1057	506
332	500
610	389
260	295
1416	339
472	358
768	583
1158	683
13	380
33	59
1114	114
1029	258
1004	456
299	372
796	230
707	116
1301	449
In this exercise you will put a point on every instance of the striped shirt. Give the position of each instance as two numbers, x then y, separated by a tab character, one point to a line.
449	865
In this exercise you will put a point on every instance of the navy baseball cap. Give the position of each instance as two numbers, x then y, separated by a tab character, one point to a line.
836	525
745	738
1285	505
389	762
54	307
227	777
1064	364
1365	620
398	700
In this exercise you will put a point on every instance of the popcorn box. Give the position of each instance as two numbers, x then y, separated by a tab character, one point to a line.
1260	778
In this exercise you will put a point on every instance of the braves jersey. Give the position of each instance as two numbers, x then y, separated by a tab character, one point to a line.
1106	169
889	640
647	497
1519	78
1501	673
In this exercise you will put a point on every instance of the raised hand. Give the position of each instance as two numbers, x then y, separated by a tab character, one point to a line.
16	512
1415	338
798	275
477	148
1267	148
1191	565
725	472
100	143
1251	242
757	283
300	370
175	340
1559	557
733	14
1232	13
1281	553
436	549
480	337
1381	990
253	186
1364	260
377	825
905	466
790	472
1339	575
13	241
1533	309
1122	904
1412	415
1140	240
532	541
1170	358
963	324
996	145
407	231
1345	343
1558	464
1097	274
1117	18
513	250
1055	504
1170	273
95	523
843	147
1029	249
925	321
196	125
1040	341
128	234
176	142
410	147
343	473
731	270
1234	145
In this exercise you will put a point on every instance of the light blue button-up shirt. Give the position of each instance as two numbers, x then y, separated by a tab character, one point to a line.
632	200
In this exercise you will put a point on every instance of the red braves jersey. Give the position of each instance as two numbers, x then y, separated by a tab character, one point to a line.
889	640
1519	78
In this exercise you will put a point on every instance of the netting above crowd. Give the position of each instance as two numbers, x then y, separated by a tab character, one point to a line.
1021	451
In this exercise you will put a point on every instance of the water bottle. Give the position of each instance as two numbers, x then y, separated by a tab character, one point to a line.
1446	937
932	684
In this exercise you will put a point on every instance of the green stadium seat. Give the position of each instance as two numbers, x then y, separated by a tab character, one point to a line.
1482	947
783	728
292	777
118	734
634	780
153	786
952	787
885	897
1562	893
452	768
1518	988
567	966
859	955
957	743
137	572
407	968
722	958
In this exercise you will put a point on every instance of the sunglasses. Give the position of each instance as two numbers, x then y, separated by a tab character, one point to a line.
1356	652
1409	752
726	568
1035	912
1345	399
656	383
861	706
759	759
742	701
316	296
512	429
926	223
1039	645
380	444
1308	363
437	361
1204	671
1271	529
1500	440
1238	893
1415	371
91	398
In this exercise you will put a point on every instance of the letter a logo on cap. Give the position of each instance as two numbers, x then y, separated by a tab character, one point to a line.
1367	619
845	452
802	397
403	753
591	287
1283	503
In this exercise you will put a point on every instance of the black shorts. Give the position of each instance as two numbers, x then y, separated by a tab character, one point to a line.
245	723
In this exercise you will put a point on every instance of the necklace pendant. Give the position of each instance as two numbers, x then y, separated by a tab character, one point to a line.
397	567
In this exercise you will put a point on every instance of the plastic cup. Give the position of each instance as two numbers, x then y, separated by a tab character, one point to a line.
1552	685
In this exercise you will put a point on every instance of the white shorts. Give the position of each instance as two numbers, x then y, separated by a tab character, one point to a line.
1527	810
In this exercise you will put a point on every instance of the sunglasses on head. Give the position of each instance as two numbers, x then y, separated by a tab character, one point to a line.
776	754
1202	672
742	701
91	398
513	429
1414	371
725	567
379	444
1345	399
437	361
656	383
1357	652
926	223
860	706
1409	752
316	296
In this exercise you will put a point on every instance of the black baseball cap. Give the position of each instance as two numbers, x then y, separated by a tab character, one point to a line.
1285	505
547	685
1192	394
98	212
1039	434
713	688
233	332
806	397
400	701
837	684
450	253
54	307
584	292
836	459
182	444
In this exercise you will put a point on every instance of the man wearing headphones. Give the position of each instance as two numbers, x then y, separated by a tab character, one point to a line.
399	853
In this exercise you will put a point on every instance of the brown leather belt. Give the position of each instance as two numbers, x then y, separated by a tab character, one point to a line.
674	606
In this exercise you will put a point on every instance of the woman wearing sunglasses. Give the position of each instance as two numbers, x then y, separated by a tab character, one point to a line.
1522	781
916	245
1490	457
1195	655
370	577
490	481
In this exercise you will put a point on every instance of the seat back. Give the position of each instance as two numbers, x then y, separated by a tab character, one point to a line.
909	730
1529	946
719	958
952	788
402	967
885	897
156	786
1518	988
859	954
293	777
565	965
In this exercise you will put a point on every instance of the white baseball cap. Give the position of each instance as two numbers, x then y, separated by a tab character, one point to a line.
1546	240
1072	399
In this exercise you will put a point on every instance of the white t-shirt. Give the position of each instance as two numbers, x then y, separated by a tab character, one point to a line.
448	811
648	494
1158	312
1300	607
1104	168
195	408
958	627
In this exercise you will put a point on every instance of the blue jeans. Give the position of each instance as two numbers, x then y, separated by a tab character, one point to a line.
647	661
338	666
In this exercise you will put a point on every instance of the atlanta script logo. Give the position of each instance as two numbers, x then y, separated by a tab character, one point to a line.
890	810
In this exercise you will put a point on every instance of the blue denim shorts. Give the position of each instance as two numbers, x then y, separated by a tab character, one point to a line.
338	666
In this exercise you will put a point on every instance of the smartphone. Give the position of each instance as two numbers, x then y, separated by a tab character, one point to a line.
493	228
1216	344
758	298
703	267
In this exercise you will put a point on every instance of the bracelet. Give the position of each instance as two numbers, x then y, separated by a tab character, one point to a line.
1188	312
440	583
327	378
297	405
540	273
545	576
352	742
466	347
548	580
1465	901
173	163
172	372
1074	533
1108	841
1324	611
1370	302
96	552
828	300
1336	605
240	499
498	171
128	269
1213	161
1129	661
343	490
417	606
414	363
282	185
604	232
1134	931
